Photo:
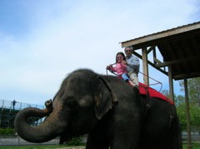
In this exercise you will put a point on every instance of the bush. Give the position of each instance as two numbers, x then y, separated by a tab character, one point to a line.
7	131
75	141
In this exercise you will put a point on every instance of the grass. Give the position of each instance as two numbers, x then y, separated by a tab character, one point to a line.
195	146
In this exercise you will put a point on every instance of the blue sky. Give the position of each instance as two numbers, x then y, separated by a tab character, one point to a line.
41	41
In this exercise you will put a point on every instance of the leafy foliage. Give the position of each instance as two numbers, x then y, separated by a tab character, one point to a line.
7	131
194	115
193	90
75	141
194	99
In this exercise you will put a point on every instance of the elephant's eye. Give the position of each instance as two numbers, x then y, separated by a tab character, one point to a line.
71	104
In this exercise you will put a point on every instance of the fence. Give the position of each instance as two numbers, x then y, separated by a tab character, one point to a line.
15	140
15	105
9	109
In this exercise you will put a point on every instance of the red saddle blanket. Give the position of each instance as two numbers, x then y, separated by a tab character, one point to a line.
144	90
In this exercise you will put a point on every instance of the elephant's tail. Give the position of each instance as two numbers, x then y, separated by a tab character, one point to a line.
174	133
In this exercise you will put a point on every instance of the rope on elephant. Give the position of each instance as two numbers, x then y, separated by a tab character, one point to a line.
157	82
110	70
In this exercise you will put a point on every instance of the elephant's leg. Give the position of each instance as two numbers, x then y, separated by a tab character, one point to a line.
126	141
127	134
97	142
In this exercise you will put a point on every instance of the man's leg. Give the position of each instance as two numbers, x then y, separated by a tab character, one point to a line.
134	78
127	79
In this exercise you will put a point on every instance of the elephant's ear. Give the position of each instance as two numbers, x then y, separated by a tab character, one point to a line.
104	98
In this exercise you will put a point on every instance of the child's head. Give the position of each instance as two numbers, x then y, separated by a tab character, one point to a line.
120	57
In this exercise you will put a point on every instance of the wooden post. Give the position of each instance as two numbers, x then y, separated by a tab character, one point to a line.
154	56
187	115
145	66
171	86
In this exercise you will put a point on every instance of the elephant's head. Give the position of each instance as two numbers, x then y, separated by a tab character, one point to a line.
83	99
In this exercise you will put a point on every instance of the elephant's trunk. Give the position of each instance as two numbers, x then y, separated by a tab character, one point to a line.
47	130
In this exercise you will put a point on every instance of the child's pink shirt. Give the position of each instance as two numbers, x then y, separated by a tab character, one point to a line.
119	68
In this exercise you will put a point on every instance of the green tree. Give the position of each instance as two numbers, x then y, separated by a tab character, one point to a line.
194	100
193	90
165	92
195	116
181	110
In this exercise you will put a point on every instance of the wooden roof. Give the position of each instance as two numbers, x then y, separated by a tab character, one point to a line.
179	47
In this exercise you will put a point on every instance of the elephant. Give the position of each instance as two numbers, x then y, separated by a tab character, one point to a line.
113	114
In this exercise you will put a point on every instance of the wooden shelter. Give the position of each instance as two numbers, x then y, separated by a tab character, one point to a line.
180	51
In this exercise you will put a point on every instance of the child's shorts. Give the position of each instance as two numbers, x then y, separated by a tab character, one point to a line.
125	76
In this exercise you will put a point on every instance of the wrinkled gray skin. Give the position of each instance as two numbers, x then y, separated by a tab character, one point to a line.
106	108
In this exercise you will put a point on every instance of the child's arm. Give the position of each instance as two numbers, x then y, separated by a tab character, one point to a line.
111	68
124	62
